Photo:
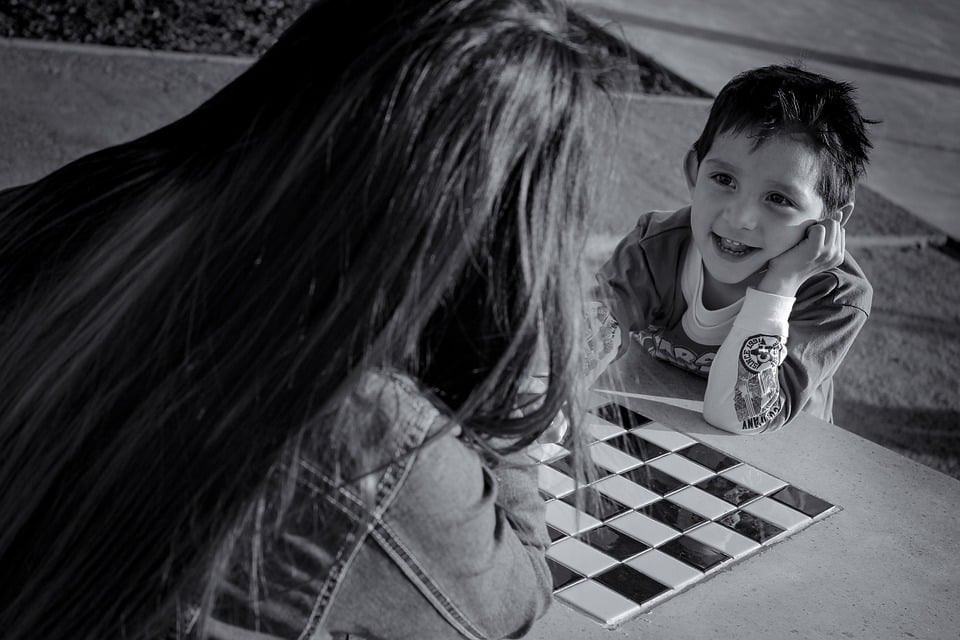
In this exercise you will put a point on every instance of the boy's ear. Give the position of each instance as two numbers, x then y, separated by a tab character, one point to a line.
843	213
691	166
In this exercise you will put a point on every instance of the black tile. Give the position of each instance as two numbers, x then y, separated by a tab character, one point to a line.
801	501
728	490
630	583
555	534
562	576
595	503
672	514
617	414
565	465
757	529
654	479
636	446
709	457
694	553
612	542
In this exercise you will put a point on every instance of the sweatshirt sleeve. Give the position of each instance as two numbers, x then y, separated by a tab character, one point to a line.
626	285
624	301
479	531
744	394
457	549
603	343
776	355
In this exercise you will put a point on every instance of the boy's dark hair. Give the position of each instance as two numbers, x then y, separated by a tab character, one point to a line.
783	100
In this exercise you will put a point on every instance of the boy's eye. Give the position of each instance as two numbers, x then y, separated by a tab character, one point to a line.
780	199
723	179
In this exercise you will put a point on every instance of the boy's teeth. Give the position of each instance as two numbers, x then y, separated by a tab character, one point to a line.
732	245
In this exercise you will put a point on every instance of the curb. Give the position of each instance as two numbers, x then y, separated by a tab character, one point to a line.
112	51
664	98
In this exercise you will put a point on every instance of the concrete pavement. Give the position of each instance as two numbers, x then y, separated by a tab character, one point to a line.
903	56
899	386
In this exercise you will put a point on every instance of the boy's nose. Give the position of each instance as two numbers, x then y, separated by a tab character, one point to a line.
741	215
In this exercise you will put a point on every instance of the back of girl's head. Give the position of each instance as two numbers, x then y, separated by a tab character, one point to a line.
394	184
786	100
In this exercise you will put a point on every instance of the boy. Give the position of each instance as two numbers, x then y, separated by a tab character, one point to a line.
750	284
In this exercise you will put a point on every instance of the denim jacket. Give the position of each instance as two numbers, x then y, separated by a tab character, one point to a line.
433	544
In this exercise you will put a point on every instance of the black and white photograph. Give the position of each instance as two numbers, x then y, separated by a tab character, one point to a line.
479	319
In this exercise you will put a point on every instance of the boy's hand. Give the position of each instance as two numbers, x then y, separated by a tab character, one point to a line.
602	340
822	248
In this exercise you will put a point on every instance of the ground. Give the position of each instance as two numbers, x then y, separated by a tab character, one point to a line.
899	384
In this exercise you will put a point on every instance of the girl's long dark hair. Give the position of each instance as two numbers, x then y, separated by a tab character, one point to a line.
395	184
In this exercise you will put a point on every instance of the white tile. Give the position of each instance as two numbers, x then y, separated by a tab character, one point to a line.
626	492
580	557
754	479
681	468
601	429
545	452
599	602
777	513
701	502
665	569
726	540
664	436
553	482
643	528
566	518
612	458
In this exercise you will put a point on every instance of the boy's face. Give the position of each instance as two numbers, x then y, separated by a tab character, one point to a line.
751	204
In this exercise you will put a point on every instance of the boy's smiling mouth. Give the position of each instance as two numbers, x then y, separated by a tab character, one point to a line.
732	248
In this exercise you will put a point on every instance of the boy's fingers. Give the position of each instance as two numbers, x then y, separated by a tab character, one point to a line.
817	233
836	234
533	386
529	395
830	233
834	243
556	431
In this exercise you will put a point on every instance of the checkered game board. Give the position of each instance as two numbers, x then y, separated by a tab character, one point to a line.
665	511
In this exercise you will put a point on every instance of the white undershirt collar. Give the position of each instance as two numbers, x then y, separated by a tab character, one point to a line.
706	326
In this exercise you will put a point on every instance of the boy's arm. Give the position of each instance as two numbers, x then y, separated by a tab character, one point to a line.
760	379
623	301
755	384
604	342
744	394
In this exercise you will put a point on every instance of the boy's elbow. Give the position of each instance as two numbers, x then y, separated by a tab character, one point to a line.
720	420
729	422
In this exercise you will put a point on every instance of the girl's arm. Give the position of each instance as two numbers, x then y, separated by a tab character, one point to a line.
474	540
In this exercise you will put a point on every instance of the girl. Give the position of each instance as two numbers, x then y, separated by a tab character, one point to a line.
256	364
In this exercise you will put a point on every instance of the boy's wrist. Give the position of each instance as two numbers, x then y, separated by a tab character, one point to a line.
781	285
764	312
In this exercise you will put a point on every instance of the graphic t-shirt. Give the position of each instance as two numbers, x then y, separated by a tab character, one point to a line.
765	357
692	344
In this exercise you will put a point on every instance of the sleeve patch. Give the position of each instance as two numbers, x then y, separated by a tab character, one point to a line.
757	398
761	352
602	340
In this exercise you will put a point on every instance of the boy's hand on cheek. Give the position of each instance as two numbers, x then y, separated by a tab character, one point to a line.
822	248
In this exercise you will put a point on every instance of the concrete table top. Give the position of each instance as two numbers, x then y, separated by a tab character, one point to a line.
884	566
